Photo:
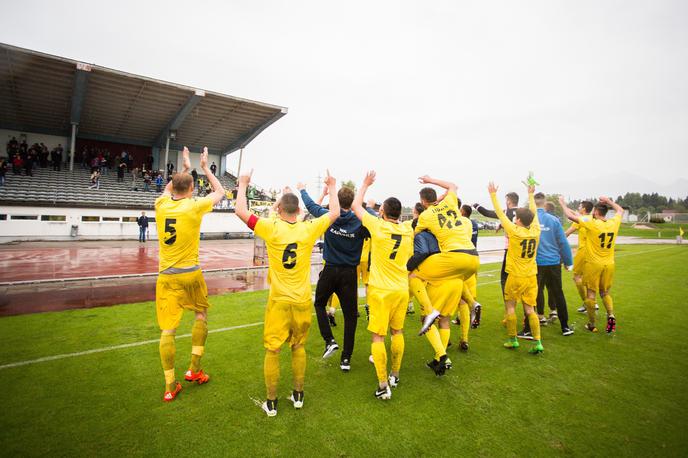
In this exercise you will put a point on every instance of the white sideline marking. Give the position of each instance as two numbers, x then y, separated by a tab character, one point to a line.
229	328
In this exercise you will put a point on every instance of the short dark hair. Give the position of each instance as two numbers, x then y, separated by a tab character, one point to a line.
601	209
289	203
466	211
181	183
587	205
392	208
419	208
346	197
539	199
428	195
525	215
550	207
512	197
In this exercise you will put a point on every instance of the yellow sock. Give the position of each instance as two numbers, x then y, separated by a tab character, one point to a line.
465	316
271	371
298	366
167	352
582	290
380	358
534	325
511	324
417	289
199	332
608	304
397	351
433	336
590	308
444	336
466	294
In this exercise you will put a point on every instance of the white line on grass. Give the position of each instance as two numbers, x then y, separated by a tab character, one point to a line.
229	328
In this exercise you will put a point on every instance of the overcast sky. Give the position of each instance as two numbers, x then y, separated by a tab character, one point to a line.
587	94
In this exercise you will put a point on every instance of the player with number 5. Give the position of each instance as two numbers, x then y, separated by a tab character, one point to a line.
288	312
180	284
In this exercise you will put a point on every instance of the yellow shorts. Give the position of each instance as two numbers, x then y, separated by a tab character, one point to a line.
176	292
286	321
524	289
579	262
598	277
442	266
363	272
471	284
445	295
333	301
387	309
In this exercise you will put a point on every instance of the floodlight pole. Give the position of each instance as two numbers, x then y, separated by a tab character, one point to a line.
241	155
167	151
72	148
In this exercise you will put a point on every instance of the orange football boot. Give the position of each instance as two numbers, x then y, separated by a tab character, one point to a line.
170	395
199	377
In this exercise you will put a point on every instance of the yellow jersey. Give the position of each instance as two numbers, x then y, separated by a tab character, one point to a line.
179	229
601	239
391	246
365	251
444	221
289	247
582	233
523	241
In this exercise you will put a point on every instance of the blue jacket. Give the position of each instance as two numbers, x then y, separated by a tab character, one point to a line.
343	239
424	245
553	248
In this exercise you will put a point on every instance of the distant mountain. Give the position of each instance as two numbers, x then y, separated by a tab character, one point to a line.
619	184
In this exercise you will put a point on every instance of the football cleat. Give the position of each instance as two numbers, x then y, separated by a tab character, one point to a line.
296	397
410	310
448	364
590	327
456	321
463	345
393	381
383	393
270	407
566	331
438	367
512	343
477	313
427	322
611	325
367	310
199	377
537	348
525	335
581	309
170	395
345	365
553	316
543	320
330	348
371	360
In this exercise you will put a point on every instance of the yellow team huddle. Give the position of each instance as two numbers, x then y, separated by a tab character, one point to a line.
442	282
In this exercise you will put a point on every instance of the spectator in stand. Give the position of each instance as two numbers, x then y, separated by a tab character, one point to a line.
56	157
120	172
170	168
159	182
213	168
149	162
17	164
103	164
95	179
194	175
42	155
201	186
23	148
28	163
12	147
208	189
143	226
134	176
3	171
146	181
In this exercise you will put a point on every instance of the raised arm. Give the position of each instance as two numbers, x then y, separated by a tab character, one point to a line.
449	186
218	191
617	208
331	183
242	210
508	225
570	230
484	211
532	206
357	205
323	194
314	208
186	162
570	214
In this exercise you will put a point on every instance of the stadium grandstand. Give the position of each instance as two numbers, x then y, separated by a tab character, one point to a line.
61	119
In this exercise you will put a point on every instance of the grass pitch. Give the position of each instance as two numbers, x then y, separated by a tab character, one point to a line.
586	395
